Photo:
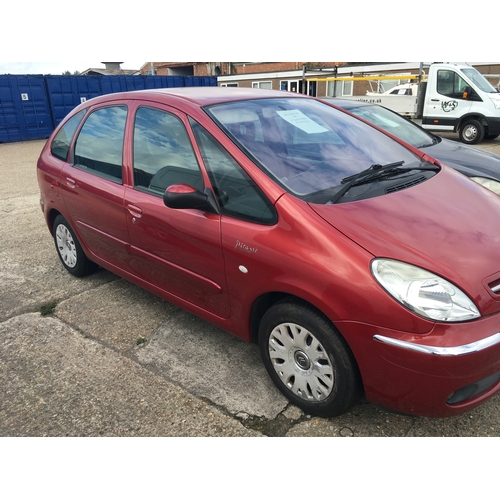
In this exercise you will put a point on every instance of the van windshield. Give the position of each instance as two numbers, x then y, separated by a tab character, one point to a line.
306	145
478	79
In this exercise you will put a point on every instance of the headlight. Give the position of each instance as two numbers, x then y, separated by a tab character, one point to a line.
488	184
423	292
495	99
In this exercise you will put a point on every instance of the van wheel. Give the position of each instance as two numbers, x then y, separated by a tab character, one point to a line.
69	249
472	132
308	360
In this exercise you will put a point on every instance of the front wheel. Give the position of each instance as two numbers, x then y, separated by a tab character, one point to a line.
472	132
69	249
308	360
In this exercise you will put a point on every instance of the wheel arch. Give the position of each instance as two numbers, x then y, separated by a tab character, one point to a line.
267	300
472	116
51	217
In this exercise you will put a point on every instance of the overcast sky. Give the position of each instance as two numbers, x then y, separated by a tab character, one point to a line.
57	68
85	34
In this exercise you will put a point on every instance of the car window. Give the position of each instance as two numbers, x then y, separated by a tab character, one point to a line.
237	194
163	154
394	124
99	146
62	141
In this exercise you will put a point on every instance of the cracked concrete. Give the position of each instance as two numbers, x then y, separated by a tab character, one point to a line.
114	360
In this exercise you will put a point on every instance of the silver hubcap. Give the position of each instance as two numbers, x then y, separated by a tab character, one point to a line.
301	362
470	132
66	245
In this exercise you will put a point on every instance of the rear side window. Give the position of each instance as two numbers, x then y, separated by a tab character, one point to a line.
99	146
163	154
62	141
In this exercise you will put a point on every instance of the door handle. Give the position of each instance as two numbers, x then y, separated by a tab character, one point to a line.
71	183
135	212
434	100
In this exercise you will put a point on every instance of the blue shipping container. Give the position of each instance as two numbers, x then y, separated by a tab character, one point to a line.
31	106
24	108
67	92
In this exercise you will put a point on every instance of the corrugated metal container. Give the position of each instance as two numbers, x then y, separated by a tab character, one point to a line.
193	81
25	112
31	106
162	82
200	81
121	83
67	92
9	127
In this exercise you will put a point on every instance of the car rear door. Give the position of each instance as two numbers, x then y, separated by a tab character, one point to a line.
92	186
179	251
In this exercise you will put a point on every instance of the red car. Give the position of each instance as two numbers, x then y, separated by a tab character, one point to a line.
358	263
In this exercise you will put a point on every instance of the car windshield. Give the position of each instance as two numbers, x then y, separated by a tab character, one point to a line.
308	146
477	78
395	124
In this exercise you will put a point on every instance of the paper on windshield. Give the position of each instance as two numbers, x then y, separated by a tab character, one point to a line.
301	121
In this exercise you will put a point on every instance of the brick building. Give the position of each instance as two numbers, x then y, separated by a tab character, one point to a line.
313	81
224	68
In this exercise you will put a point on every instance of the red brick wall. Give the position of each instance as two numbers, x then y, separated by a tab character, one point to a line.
205	69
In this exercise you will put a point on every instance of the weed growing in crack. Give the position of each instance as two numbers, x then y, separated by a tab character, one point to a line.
47	309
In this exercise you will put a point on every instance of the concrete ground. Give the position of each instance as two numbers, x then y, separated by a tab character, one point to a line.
101	357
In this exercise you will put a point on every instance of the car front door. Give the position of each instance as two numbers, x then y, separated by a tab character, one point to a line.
179	251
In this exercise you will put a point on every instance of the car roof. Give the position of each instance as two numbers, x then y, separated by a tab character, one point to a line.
201	96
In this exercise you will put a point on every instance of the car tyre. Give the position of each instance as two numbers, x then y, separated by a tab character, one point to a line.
69	249
472	132
308	359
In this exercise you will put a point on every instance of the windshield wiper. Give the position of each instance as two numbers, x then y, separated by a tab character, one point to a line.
374	173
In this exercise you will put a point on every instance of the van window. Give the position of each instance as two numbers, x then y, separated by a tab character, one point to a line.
450	84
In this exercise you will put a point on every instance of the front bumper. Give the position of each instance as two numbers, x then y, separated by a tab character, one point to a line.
493	125
446	372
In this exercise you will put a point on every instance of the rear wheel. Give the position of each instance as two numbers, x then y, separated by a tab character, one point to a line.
308	360
472	132
69	249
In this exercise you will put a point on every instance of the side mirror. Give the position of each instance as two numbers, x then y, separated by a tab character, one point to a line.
182	196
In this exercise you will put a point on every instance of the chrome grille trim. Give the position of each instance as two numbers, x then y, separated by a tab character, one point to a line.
495	289
459	350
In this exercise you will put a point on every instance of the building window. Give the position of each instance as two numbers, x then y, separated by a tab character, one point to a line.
262	85
340	88
228	84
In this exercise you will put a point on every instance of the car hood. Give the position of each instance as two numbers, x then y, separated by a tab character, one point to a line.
468	160
448	225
